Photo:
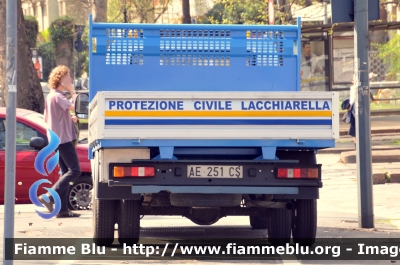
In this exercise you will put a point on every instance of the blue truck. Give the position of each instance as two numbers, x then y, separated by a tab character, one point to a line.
204	122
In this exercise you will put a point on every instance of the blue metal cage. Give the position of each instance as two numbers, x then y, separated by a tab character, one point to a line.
159	57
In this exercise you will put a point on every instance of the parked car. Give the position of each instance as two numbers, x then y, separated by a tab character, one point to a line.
31	124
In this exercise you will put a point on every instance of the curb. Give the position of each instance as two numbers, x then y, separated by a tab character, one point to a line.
378	156
384	178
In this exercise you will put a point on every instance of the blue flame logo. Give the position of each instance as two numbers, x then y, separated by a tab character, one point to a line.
39	164
45	152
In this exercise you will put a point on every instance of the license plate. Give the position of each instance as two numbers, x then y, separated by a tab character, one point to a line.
202	171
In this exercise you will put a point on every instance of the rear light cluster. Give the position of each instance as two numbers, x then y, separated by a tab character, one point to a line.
297	173
120	172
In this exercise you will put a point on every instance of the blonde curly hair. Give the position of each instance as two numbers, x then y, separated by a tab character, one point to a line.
56	75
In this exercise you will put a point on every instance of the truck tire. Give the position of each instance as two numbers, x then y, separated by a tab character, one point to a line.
258	222
103	222
304	227
129	222
280	226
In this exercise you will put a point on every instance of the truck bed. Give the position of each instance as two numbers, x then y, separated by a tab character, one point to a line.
239	119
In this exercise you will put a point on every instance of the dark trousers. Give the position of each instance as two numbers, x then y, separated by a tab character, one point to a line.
352	129
70	170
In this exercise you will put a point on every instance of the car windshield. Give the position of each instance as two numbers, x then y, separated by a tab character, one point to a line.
37	118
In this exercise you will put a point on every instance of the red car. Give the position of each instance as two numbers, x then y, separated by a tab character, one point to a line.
31	124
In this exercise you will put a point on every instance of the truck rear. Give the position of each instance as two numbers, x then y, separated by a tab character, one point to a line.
204	122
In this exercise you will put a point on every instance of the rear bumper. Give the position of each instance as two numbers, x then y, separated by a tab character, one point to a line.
216	189
104	191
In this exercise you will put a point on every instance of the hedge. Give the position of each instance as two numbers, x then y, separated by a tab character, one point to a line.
32	30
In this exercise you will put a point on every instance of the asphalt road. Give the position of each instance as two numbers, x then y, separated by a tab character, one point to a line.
337	218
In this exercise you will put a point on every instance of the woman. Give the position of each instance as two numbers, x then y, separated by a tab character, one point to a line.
351	110
57	116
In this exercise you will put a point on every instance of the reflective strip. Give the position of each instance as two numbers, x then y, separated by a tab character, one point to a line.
221	113
218	122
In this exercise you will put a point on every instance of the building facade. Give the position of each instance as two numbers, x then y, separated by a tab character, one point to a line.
46	11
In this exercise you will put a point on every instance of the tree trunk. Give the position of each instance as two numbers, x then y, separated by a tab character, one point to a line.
186	19
64	54
29	90
99	10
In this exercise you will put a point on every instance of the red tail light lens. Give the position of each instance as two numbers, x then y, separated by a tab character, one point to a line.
298	173
282	173
120	172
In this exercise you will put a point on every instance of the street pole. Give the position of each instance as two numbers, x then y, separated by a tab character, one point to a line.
363	123
325	12
11	87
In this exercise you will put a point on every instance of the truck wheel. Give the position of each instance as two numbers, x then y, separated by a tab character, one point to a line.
258	222
280	226
103	222
304	228
129	222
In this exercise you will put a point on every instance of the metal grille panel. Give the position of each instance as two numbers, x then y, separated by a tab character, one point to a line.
124	46
151	54
124	33
264	60
377	66
193	60
264	47
209	34
194	46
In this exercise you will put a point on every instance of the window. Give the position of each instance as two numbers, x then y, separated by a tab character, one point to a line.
23	135
314	73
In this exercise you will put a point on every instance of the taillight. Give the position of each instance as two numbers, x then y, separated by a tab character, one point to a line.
297	173
120	172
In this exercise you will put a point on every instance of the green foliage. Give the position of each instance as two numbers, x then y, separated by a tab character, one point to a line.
44	36
83	65
214	15
62	29
46	50
245	12
32	29
142	11
390	54
237	12
114	11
